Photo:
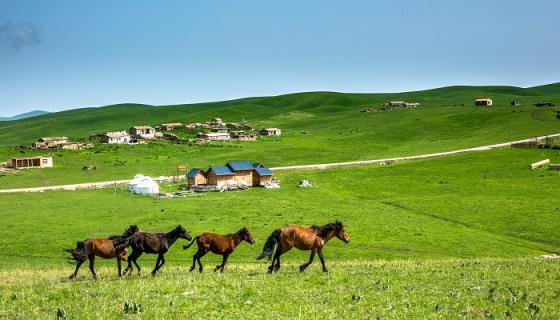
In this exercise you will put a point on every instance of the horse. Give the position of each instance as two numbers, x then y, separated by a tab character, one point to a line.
112	247
218	244
304	238
156	243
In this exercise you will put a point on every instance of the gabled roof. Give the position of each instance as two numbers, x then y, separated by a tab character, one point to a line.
173	124
257	165
221	171
240	165
117	134
263	171
142	127
194	172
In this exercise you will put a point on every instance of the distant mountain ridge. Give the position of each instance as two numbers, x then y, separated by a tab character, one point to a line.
25	115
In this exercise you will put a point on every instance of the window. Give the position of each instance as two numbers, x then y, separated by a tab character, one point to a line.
45	161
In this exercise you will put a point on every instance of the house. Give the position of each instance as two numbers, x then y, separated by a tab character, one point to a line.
214	136
29	162
411	104
544	104
241	136
243	171
196	177
217	122
50	142
142	132
116	137
219	176
261	176
220	130
270	132
396	104
483	102
170	126
77	146
515	103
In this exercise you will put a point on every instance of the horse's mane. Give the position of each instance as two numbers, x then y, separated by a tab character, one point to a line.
322	231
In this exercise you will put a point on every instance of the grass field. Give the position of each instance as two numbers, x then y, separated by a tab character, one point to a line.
442	238
317	128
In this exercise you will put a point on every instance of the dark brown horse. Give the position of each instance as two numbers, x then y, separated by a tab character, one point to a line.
303	238
218	244
156	243
112	247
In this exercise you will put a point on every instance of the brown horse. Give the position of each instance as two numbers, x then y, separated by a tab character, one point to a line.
303	238
218	244
156	243
112	247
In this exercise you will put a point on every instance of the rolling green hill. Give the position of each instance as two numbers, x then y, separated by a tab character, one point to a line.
83	122
318	127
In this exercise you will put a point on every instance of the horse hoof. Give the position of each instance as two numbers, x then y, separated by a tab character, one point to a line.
200	270
325	270
301	269
71	277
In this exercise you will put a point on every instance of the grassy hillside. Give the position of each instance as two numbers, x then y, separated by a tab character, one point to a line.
317	128
433	239
486	204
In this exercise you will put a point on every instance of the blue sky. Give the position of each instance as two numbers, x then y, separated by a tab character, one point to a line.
57	55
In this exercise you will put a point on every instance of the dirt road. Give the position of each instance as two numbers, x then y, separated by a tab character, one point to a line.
104	184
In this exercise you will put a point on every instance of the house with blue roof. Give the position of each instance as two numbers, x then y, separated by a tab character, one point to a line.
243	171
261	176
196	177
219	175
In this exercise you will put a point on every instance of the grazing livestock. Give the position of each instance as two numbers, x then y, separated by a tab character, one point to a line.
218	244
303	238
112	247
155	243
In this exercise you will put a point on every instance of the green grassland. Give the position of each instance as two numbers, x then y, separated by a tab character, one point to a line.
317	128
442	238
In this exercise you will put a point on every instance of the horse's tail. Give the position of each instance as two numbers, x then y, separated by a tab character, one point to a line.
269	245
80	253
190	244
123	241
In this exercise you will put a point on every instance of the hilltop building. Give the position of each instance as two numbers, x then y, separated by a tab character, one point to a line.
170	126
50	142
143	132
115	137
483	102
270	132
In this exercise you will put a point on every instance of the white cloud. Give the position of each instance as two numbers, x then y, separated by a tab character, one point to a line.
18	35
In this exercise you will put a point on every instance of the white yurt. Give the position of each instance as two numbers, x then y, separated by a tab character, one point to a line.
143	185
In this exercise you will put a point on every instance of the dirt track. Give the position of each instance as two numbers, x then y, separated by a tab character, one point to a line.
95	185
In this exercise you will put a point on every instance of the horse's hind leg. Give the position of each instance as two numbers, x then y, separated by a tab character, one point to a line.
320	253
305	265
78	265
277	256
91	268
119	267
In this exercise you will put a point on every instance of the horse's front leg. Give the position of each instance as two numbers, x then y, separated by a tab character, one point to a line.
160	261
78	265
224	260
91	266
320	253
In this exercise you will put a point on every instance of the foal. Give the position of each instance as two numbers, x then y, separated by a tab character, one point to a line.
218	244
157	243
112	247
303	238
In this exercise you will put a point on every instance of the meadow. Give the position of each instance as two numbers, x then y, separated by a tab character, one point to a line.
445	238
317	128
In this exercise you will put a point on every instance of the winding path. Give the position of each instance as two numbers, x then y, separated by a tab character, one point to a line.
104	184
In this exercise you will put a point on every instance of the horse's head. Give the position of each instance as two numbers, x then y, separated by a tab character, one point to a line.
341	233
183	233
246	235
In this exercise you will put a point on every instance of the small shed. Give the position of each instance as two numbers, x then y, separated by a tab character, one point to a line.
270	132
116	137
29	162
170	126
243	171
50	142
142	132
196	177
214	136
515	103
219	175
261	176
483	102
